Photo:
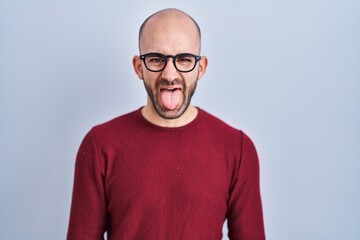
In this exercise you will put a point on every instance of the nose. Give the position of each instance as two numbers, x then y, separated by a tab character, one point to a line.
170	73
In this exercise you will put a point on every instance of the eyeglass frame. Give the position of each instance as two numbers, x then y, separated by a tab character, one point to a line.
166	57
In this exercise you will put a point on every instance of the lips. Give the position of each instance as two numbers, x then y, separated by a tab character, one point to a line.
170	89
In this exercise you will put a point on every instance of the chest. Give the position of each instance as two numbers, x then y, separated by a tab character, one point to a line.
170	173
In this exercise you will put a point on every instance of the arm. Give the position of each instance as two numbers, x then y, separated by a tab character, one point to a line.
245	218
88	207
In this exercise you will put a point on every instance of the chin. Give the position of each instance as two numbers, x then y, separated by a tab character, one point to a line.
171	114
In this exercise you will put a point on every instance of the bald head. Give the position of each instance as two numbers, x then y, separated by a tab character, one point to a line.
166	22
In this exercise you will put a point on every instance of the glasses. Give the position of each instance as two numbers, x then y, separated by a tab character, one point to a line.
183	62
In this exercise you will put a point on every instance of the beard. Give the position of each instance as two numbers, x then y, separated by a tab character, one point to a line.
186	94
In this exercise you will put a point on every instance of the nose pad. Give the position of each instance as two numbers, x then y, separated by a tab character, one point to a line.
170	72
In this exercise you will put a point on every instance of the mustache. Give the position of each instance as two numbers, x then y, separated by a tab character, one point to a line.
166	83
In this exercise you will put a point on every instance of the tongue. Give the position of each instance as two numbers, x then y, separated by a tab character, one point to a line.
170	99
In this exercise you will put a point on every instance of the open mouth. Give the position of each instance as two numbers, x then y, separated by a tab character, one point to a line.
172	89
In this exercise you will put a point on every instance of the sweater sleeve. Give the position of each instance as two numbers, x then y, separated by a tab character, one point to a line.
88	207
245	217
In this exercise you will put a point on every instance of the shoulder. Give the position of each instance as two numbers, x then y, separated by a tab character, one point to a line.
117	126
214	127
222	129
216	123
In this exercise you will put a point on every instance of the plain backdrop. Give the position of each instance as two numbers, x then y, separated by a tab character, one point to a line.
285	72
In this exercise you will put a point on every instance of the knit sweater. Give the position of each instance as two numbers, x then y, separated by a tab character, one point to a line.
137	180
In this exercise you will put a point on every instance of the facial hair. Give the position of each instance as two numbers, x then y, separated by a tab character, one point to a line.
154	95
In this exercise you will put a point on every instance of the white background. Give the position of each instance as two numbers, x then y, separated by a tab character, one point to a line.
285	72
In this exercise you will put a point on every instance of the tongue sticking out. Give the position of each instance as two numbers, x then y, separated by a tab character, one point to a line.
170	98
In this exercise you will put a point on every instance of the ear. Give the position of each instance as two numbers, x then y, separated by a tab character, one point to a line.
137	66
203	63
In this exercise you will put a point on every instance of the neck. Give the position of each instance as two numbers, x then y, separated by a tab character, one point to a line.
150	114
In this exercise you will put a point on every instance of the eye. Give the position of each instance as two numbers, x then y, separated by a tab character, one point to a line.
185	59
155	59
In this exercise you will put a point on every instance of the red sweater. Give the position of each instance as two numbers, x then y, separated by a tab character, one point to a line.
136	180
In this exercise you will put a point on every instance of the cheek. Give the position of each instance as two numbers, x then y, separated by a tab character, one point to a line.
150	79
192	79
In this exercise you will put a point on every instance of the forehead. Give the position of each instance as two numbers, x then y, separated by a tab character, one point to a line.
170	33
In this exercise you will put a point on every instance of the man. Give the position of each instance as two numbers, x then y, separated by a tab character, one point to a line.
168	170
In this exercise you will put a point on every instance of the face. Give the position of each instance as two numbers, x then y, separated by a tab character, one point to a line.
169	91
